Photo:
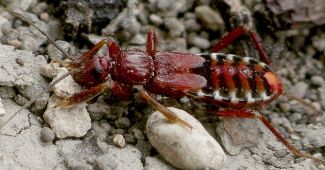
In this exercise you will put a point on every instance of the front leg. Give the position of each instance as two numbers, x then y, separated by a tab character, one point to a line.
247	113
85	95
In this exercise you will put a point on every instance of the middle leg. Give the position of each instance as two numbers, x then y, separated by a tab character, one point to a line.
167	113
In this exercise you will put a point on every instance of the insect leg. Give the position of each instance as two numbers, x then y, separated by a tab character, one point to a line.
254	114
85	95
167	113
235	34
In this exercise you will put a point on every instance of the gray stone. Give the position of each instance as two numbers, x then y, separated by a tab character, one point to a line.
3	21
18	123
7	92
192	25
238	134
210	18
40	103
40	7
138	39
123	122
31	38
314	137
47	134
26	77
137	134
144	147
175	27
67	122
170	8
131	25
317	80
319	42
153	163
200	42
178	144
299	89
99	109
156	19
244	160
56	54
119	159
75	153
21	147
130	139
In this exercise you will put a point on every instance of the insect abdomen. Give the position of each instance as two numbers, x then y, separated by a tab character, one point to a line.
241	81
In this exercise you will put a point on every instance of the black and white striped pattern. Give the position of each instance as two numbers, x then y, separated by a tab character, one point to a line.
250	96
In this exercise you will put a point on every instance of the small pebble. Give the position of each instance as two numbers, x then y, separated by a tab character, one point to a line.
39	8
210	18
194	50
299	89
50	70
118	140
55	53
199	41
105	126
131	25
284	106
175	27
15	43
138	134
44	16
192	25
47	134
317	80
117	131
138	39
156	19
123	122
130	139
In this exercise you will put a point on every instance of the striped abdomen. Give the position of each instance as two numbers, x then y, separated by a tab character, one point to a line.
239	81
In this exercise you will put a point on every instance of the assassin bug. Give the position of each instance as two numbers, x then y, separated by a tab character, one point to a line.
238	83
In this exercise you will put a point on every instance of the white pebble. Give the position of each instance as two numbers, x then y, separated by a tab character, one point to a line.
183	147
67	122
118	140
65	87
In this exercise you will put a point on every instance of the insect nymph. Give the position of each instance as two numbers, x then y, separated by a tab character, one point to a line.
239	84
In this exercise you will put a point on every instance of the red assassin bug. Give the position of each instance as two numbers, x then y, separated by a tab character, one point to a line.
227	80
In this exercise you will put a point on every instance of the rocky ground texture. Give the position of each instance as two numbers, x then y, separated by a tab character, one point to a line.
107	133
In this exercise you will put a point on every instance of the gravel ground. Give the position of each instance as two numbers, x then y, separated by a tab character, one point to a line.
110	134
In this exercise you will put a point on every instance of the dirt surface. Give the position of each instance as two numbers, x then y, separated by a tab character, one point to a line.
294	41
